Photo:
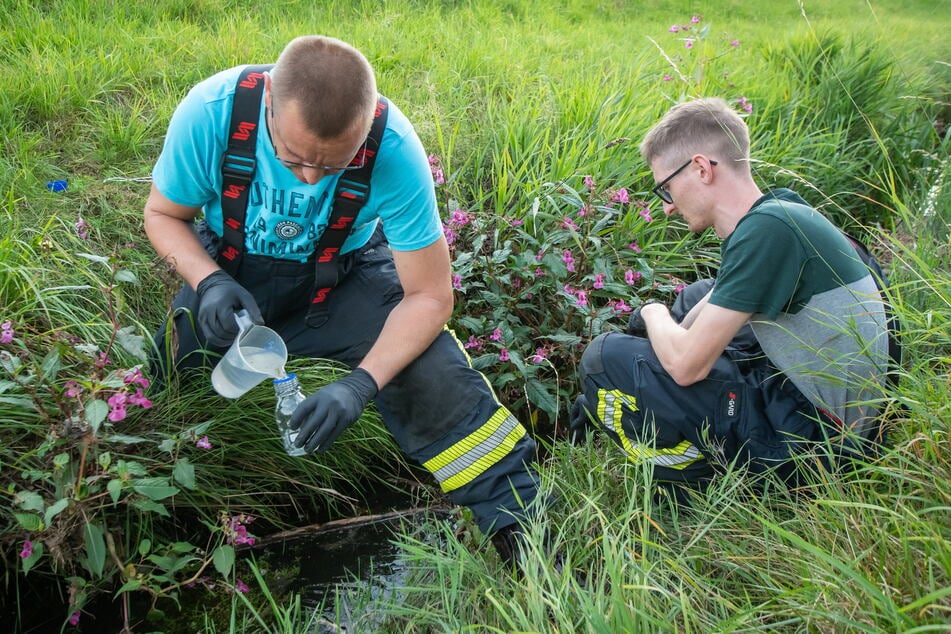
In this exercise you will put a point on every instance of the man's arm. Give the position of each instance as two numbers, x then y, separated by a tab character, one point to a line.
168	226
688	354
691	315
419	317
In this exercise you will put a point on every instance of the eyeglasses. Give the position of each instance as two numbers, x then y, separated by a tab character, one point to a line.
358	162
660	189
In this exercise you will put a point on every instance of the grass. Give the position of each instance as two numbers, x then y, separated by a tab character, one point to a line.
519	99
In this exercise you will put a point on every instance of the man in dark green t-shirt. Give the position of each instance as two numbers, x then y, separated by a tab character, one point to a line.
692	391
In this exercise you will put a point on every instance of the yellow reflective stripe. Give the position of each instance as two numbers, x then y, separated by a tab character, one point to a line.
611	404
470	457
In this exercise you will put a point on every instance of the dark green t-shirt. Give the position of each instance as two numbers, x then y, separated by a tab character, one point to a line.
817	312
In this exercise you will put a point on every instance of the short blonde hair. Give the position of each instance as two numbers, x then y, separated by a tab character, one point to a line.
331	81
705	126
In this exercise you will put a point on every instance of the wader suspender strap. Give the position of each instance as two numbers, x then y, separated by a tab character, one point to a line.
237	170
353	189
238	164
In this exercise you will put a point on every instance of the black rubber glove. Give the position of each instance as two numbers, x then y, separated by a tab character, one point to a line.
323	415
219	298
635	323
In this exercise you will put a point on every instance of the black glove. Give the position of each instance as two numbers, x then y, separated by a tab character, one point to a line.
323	415
579	421
635	323
219	298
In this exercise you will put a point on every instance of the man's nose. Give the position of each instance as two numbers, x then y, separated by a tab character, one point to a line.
310	175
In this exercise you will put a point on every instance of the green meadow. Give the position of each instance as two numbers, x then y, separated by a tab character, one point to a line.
532	110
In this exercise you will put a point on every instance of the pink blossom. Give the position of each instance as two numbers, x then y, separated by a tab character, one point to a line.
27	549
568	260
679	288
461	218
517	222
496	335
746	105
735	43
450	234
438	177
674	29
589	183
646	215
517	283
241	587
582	296
539	272
569	224
82	228
116	414
688	43
539	255
622	307
117	400
457	281
620	196
73	389
599	281
473	343
540	355
139	399
504	354
631	277
135	376
668	78
695	19
103	360
203	443
74	618
6	332
636	248
584	211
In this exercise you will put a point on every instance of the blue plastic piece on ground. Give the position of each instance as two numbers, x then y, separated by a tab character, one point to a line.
57	186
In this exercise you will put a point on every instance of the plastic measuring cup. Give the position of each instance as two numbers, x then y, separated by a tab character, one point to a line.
257	353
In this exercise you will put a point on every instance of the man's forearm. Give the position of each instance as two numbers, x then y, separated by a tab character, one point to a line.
175	241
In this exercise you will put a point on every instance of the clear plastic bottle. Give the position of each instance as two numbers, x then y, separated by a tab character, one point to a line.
289	396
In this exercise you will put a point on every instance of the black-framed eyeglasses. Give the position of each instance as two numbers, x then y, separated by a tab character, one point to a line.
358	162
660	189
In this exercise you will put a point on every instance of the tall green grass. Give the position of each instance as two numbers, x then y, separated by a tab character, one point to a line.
519	99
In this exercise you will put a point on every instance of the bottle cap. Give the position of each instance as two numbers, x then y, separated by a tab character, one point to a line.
290	376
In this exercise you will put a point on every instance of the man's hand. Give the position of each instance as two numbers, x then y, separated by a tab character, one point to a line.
635	323
219	298
323	415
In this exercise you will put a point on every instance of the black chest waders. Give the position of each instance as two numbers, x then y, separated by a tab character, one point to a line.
237	169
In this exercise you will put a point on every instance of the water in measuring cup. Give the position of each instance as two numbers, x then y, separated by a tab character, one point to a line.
232	382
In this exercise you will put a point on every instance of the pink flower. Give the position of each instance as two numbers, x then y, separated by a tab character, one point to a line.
631	277
103	360
459	217
635	247
117	400
746	105
622	307
438	177
241	587
668	78
599	281
457	281
135	377
569	224
517	222
679	288
473	343
203	443
646	215
435	166
6	332
582	296
695	19
674	29
539	272
496	335
116	414
27	549
688	43
139	399
504	354
569	260
73	389
74	618
735	43
450	234
540	355
589	183
584	211
82	228
540	255
620	196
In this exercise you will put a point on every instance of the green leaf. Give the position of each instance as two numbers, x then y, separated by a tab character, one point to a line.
30	501
184	473
168	445
223	558
124	439
125	275
34	557
145	546
55	509
132	342
94	258
96	412
30	522
50	366
541	397
151	507
114	487
95	549
154	488
129	586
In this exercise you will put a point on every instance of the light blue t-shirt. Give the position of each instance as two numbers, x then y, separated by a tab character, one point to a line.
286	217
